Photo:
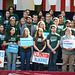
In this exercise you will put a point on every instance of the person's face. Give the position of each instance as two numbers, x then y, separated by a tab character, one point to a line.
1	28
47	17
41	25
53	29
7	14
22	21
63	13
28	12
42	19
60	19
68	24
68	31
25	14
12	22
56	22
11	10
35	18
40	32
12	31
73	18
29	20
26	32
51	12
72	24
40	13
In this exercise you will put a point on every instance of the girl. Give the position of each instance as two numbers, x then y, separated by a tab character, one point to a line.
11	10
11	57
51	12
2	34
25	51
5	20
39	46
41	24
22	22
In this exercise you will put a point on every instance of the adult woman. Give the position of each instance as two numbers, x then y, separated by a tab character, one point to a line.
22	22
39	46
5	20
2	33
25	51
51	12
11	10
41	24
11	57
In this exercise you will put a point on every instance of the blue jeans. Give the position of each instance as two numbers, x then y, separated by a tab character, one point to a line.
52	60
11	60
27	56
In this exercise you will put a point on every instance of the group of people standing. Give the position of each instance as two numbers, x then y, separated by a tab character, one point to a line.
59	28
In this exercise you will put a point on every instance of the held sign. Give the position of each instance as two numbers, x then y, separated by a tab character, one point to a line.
2	54
68	44
42	58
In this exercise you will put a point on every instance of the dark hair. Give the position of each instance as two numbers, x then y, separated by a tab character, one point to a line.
11	7
5	16
28	17
53	26
3	30
53	12
67	21
60	15
9	33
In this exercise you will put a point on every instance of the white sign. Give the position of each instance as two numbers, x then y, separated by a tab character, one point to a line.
42	58
52	2
68	43
2	54
37	2
15	1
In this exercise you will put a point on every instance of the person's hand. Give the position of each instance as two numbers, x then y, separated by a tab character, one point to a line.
25	47
14	43
40	51
54	52
18	36
70	49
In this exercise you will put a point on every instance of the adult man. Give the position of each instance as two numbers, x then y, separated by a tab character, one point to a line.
29	26
67	53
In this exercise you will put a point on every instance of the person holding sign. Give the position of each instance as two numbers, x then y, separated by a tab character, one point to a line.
53	43
10	38
67	53
25	51
39	46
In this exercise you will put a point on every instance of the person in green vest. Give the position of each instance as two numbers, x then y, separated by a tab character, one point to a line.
12	10
12	24
35	20
11	56
61	24
53	40
48	23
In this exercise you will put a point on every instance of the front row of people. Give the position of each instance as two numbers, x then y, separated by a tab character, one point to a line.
52	46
